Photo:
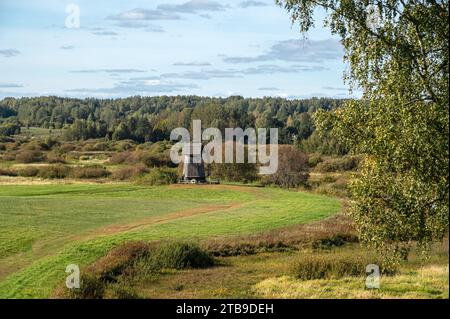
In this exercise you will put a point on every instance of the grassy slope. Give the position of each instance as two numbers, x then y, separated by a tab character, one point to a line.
268	275
45	228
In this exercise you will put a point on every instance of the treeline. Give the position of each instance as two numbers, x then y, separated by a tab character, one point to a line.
151	119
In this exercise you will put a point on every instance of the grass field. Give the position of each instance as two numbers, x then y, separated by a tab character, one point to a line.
46	227
267	275
40	132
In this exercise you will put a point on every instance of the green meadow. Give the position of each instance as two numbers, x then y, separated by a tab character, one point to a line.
44	228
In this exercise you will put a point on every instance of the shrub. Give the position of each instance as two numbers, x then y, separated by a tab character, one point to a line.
313	160
95	147
333	265
54	171
328	179
118	259
29	171
334	241
292	168
29	156
120	291
2	147
92	171
124	145
55	158
119	158
156	160
234	172
141	156
179	255
91	287
96	277
33	146
129	172
67	147
337	188
107	277
9	156
246	248
7	172
6	139
346	163
9	129
159	176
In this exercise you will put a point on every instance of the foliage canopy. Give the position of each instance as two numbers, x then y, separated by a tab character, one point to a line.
401	123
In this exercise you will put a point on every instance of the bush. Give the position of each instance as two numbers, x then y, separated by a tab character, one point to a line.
29	156
118	259
313	160
292	168
124	145
234	172
178	255
108	277
67	147
346	163
119	158
336	188
91	287
29	171
328	179
129	172
7	172
141	156
9	156
92	171
331	265
159	176
95	147
156	160
120	291
96	278
55	158
334	241
53	171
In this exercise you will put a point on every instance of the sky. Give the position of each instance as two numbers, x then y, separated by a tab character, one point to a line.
110	49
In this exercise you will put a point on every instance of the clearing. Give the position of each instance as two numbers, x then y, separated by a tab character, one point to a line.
46	227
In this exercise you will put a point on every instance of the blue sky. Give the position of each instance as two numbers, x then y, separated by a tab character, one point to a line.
175	47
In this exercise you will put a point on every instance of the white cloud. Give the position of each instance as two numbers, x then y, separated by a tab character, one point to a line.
193	6
8	53
144	14
296	50
247	4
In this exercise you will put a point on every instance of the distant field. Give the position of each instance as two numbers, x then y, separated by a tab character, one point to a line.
43	228
40	132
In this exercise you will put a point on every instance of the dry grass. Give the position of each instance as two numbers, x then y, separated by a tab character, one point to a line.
233	278
334	231
427	282
416	278
8	180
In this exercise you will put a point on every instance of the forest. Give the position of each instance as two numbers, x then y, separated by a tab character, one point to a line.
151	119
